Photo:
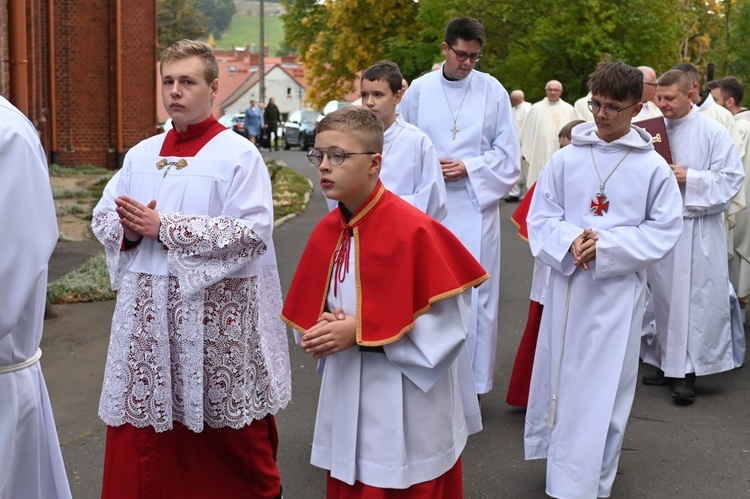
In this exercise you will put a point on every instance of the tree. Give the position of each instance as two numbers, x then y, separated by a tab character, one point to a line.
739	48
342	37
218	15
548	39
177	20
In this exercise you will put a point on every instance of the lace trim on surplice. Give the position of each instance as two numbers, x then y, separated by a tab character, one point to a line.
217	355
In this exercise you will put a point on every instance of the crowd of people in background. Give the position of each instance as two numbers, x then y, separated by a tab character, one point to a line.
637	255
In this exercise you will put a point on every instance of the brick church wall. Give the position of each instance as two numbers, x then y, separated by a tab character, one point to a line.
86	75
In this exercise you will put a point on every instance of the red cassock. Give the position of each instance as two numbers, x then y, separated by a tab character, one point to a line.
520	378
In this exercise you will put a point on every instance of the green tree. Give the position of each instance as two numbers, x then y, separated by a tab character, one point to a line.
177	20
548	39
739	48
218	15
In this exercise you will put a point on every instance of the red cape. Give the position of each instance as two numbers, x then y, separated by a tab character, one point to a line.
522	211
405	261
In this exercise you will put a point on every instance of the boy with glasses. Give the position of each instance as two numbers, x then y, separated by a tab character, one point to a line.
604	209
468	117
410	166
380	298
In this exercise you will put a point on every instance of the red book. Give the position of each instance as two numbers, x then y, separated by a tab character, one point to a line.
658	131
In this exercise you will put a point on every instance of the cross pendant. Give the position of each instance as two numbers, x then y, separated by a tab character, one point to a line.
454	130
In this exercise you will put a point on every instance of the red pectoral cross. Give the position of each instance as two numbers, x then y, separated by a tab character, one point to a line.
600	206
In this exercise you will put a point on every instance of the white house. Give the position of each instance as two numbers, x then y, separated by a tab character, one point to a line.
284	82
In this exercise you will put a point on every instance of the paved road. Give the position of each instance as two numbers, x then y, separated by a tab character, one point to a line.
701	451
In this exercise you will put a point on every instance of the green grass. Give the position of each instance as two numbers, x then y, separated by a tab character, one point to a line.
245	30
74	171
90	282
290	191
64	193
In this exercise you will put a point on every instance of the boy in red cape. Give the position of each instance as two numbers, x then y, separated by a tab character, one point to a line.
380	298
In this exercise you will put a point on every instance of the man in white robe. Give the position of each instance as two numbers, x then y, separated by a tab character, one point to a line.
475	135
198	356
729	92
410	166
541	128
31	464
689	286
604	209
521	110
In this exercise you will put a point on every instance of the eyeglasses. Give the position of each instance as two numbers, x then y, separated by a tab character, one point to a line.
610	112
336	155
461	56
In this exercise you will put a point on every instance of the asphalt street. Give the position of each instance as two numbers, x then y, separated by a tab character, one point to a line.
699	451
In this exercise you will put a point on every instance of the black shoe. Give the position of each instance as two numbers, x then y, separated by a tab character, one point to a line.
276	149
682	391
656	378
511	199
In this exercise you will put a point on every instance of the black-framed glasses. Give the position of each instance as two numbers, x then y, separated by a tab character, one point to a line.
335	155
461	56
610	112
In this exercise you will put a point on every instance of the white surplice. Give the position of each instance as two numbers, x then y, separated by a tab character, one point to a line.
31	464
487	143
519	113
689	287
196	335
739	265
582	108
587	353
397	418
539	139
411	169
648	111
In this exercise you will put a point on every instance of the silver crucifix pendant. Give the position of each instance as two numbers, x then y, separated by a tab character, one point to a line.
454	130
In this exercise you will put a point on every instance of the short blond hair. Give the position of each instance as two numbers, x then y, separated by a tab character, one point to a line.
358	121
183	49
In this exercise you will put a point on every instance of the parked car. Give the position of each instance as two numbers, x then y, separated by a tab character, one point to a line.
234	121
299	129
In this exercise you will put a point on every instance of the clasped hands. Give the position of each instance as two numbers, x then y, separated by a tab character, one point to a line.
334	332
453	170
583	248
138	219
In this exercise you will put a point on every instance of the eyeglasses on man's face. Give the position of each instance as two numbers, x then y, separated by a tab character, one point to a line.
335	155
610	112
461	56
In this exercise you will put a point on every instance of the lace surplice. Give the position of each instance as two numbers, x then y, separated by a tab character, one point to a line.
200	345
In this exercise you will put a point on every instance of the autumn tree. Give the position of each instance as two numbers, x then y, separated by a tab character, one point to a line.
177	20
341	37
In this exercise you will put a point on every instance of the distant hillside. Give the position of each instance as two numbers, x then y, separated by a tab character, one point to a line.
245	26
